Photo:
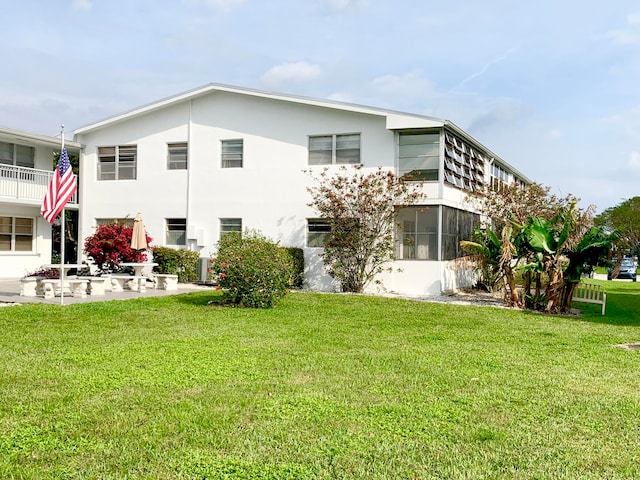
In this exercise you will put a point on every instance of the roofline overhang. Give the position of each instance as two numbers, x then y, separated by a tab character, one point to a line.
216	87
12	135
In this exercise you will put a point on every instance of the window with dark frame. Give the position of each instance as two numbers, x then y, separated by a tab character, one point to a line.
457	225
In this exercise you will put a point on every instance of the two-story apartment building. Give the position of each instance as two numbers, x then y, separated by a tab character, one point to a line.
26	166
222	158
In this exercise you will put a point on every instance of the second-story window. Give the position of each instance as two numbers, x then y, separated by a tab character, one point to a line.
117	163
177	154
418	155
18	155
232	153
334	149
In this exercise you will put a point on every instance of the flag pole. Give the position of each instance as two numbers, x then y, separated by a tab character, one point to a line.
62	222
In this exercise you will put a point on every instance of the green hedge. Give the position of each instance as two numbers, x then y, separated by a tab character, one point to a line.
177	262
297	257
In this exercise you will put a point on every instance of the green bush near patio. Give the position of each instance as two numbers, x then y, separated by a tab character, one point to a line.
321	387
176	262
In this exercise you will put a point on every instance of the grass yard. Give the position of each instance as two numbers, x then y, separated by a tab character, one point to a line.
320	387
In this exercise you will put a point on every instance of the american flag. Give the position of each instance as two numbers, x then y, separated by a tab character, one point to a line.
61	187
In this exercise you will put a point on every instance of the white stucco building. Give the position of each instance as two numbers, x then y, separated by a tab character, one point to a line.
26	166
221	158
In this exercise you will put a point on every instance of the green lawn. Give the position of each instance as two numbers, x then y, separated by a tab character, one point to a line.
322	386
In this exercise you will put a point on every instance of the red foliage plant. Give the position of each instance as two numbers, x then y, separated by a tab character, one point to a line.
111	245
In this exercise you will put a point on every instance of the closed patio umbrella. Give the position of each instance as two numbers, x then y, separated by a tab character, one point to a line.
139	235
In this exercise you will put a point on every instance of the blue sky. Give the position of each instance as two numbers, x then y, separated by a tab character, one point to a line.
553	87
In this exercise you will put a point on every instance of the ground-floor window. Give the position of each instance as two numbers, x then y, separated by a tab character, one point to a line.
16	234
457	225
230	225
176	231
125	222
318	231
417	233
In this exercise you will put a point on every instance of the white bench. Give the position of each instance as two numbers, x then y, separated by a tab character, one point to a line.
52	286
166	281
78	287
120	282
30	287
97	285
590	293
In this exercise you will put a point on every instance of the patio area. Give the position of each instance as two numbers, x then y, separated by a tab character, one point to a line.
10	294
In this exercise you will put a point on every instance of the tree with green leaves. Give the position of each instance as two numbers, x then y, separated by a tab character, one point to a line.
624	218
542	236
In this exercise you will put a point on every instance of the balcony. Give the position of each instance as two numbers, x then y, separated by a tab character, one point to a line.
26	185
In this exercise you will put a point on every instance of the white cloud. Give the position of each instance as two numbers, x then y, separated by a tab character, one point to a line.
291	72
82	5
629	35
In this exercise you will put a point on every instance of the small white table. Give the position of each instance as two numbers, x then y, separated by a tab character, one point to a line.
65	269
137	272
138	266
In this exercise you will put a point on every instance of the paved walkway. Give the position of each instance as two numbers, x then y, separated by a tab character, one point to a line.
10	294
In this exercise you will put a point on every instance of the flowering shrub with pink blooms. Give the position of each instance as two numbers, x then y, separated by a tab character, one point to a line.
251	270
111	245
360	207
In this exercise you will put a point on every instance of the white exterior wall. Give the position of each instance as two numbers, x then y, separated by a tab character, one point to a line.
19	264
268	193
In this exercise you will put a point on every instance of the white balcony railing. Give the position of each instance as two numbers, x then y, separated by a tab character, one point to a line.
26	184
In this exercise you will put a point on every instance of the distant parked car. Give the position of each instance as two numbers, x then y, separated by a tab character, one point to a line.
627	270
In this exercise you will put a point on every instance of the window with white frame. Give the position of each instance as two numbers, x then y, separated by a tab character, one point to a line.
419	155
16	234
334	149
117	163
318	231
232	153
177	154
176	231
417	233
17	155
228	225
